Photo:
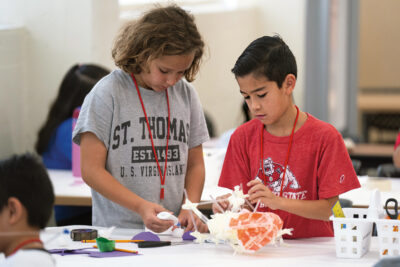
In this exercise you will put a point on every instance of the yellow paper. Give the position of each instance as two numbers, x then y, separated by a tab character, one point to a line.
337	210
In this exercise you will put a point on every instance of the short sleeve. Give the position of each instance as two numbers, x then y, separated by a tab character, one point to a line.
95	115
198	126
336	174
235	170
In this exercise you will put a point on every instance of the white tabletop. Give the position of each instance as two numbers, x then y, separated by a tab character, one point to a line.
389	188
301	252
70	190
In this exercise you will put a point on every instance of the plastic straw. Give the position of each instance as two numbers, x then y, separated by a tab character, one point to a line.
216	203
258	203
190	212
248	203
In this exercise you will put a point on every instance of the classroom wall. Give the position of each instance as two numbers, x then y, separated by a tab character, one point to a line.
12	90
226	33
287	18
52	35
379	44
56	35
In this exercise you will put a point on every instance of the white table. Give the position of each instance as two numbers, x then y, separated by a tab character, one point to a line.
389	188
70	190
302	252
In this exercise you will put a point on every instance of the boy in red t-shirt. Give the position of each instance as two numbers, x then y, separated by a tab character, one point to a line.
284	145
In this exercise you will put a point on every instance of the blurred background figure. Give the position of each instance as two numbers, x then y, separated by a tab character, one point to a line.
223	140
391	169
54	141
396	154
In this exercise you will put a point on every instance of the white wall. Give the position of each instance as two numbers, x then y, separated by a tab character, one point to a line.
227	34
13	107
57	34
287	18
54	35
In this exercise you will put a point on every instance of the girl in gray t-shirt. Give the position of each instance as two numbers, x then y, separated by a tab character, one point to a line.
141	128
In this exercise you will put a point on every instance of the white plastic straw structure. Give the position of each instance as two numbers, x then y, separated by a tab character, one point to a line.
250	205
204	203
202	217
191	213
258	203
216	204
246	200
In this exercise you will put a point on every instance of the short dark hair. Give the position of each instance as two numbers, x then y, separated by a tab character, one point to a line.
267	56
25	178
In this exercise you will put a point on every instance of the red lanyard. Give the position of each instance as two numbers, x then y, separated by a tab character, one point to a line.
162	176
287	154
26	242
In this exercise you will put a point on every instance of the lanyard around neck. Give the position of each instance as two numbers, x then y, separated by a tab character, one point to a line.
162	176
26	242
287	154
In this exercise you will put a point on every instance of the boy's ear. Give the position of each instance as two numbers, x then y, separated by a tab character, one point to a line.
15	210
289	83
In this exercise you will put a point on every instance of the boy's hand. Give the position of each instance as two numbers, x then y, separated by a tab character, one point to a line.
148	212
186	221
258	191
223	203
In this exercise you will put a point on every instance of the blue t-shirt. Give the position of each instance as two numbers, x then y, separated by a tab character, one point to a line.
59	150
58	156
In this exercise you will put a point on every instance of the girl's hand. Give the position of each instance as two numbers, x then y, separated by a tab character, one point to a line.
223	203
259	192
186	221
148	212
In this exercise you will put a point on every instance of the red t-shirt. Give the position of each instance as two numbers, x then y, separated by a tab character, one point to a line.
397	141
319	167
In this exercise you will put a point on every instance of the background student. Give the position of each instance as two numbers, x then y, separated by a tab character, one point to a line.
223	140
142	127
287	160
396	153
54	141
26	202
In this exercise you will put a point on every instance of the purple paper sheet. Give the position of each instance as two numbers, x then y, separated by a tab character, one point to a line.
146	236
187	236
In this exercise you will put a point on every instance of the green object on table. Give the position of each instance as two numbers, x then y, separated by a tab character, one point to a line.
105	245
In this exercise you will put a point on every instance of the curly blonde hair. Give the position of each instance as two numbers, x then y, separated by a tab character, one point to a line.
161	31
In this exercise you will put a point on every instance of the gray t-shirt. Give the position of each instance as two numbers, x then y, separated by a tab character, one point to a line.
112	111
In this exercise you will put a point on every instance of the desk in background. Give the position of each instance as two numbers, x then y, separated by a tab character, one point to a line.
371	155
389	188
70	190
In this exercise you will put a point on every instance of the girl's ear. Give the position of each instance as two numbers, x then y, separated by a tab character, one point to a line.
289	83
15	210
